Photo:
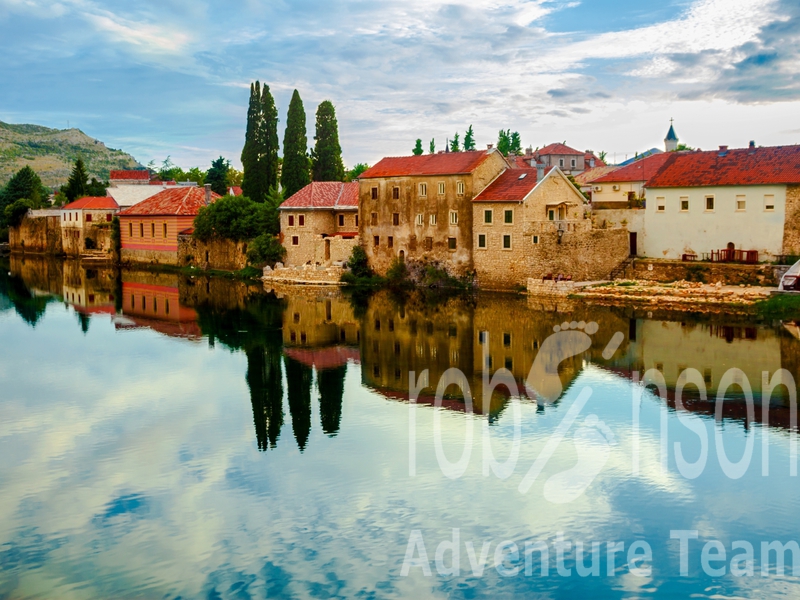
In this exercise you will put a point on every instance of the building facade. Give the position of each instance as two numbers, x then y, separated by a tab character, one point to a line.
85	219
419	208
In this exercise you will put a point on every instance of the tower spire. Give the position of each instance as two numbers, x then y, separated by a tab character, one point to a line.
671	141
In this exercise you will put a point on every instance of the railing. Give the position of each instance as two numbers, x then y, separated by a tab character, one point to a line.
749	257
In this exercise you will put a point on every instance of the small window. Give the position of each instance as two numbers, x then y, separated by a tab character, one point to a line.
453	217
301	220
560	162
390	242
536	239
428	243
460	188
165	230
483	336
108	217
441	188
374	217
395	193
451	243
741	203
152	230
130	229
356	220
374	193
509	363
141	230
423	190
69	216
291	220
482	240
295	240
376	241
506	242
396	219
89	218
507	340
433	219
551	214
166	306
684	203
573	162
709	203
487	216
420	219
661	204
341	220
769	202
508	216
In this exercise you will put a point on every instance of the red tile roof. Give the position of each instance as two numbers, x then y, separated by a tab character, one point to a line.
641	170
235	190
746	166
92	203
325	194
135	175
558	149
597	162
324	358
521	162
181	201
512	186
592	174
448	163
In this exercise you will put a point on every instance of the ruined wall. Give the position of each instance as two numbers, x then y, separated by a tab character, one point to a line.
732	274
39	235
308	245
583	255
791	224
221	254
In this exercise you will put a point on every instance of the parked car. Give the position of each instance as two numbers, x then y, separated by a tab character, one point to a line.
791	279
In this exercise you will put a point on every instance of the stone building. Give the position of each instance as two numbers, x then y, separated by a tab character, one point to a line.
87	218
529	226
150	229
419	207
319	224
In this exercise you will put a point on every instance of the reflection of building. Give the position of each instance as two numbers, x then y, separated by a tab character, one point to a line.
153	301
89	291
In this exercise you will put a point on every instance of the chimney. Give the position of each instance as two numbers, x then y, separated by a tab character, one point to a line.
208	194
539	171
529	151
752	144
489	146
723	148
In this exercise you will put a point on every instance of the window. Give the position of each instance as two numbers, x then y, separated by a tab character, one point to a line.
441	188
741	203
509	363
536	239
291	220
69	216
560	162
482	240
460	188
423	189
391	242
428	243
453	217
374	193
165	230
356	220
483	336
374	217
573	162
130	229
89	218
507	340
451	243
420	219
166	306
341	220
301	220
295	240
141	230
108	217
709	203
661	204
396	219
433	219
508	216
684	203
376	241
506	242
551	214
769	202
152	230
395	193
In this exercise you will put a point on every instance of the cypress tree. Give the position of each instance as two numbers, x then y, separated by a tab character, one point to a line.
295	174
77	183
253	185
418	148
217	176
454	146
469	140
327	154
269	140
432	146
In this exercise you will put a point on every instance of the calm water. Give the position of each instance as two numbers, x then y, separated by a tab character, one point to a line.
169	437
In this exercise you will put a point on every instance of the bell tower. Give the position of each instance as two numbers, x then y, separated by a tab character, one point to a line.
671	141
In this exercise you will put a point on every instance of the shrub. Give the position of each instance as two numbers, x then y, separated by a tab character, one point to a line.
397	275
3	235
236	218
89	244
358	263
265	249
16	211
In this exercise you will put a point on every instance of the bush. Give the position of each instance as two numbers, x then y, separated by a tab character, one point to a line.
3	235
16	211
265	249
397	275
89	244
236	218
358	263
116	236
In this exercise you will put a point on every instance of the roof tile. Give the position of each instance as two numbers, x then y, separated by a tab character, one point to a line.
641	170
558	149
92	203
324	194
180	201
447	163
133	175
513	185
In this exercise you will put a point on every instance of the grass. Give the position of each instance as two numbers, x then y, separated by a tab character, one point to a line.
246	273
781	306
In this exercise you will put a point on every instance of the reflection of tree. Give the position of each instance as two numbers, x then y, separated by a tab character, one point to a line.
84	322
266	394
29	307
331	390
298	378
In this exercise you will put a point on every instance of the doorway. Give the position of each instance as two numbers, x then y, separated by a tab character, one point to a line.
633	243
327	250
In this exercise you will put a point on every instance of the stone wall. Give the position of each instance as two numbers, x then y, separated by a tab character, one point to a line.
730	274
537	287
39	235
583	255
149	256
220	254
791	224
307	274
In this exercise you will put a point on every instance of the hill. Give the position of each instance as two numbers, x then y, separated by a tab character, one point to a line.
53	152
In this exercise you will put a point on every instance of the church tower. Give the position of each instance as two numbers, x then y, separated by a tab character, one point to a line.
671	141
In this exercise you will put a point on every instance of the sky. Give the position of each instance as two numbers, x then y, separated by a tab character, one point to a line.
172	77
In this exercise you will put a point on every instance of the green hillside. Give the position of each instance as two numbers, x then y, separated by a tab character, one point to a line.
52	153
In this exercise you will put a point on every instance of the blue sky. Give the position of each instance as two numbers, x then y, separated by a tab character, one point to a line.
172	77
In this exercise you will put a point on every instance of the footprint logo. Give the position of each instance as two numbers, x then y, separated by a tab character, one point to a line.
568	340
593	442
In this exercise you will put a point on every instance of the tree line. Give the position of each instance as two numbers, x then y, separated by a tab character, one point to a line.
508	142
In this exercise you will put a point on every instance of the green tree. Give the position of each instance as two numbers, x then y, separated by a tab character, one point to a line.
217	176
682	147
234	177
25	184
196	175
77	183
269	139
254	180
515	145
15	211
265	249
432	146
418	148
235	218
356	172
96	188
602	155
504	141
469	140
454	144
296	169
327	153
